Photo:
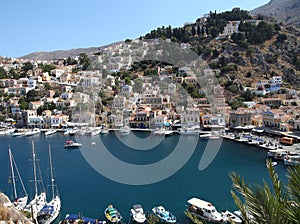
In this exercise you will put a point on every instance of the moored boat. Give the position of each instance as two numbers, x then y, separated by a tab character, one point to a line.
231	217
210	136
112	214
125	130
32	132
19	202
50	132
138	214
39	199
163	215
50	210
205	210
72	144
277	154
292	160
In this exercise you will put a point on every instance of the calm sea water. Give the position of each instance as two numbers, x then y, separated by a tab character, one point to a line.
84	190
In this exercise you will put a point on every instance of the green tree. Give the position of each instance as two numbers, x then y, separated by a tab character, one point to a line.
48	67
27	66
198	30
214	32
269	204
71	61
193	31
47	86
31	95
84	61
3	74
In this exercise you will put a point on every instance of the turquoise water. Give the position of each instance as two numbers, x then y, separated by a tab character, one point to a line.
82	189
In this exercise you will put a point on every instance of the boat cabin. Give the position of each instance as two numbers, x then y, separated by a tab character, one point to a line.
205	210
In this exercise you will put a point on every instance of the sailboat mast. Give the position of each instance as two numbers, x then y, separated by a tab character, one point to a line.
34	169
12	173
51	172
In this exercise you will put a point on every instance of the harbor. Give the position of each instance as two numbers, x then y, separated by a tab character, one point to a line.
84	190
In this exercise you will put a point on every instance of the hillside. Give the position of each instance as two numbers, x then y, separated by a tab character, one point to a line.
54	55
285	11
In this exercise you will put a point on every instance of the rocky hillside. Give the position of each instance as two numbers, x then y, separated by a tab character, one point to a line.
9	214
54	55
285	11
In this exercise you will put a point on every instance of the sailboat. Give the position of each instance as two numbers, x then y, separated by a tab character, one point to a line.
51	210
39	199
19	202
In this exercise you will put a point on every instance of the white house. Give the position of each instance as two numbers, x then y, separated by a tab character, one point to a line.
172	88
119	102
190	117
231	27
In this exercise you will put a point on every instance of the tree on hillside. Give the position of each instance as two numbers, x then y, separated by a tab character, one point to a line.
193	31
269	204
27	66
84	61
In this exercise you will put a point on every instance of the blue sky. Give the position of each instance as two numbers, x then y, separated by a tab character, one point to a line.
44	25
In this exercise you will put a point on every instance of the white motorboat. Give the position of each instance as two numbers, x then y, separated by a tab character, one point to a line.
159	131
205	210
19	133
32	132
19	202
163	215
189	131
51	210
50	132
7	131
231	217
138	214
93	131
210	136
125	130
240	215
168	132
39	199
72	144
104	131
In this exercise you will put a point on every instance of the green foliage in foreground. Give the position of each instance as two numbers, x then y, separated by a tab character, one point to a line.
269	204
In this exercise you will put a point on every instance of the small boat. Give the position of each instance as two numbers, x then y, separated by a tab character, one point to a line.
189	131
71	144
168	132
73	132
125	130
19	133
76	219
210	136
160	131
164	215
104	131
205	210
32	132
277	154
7	131
19	202
292	160
231	217
112	214
240	215
50	132
93	131
138	214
